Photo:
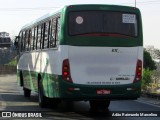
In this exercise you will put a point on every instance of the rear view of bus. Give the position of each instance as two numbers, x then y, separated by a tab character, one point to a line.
103	54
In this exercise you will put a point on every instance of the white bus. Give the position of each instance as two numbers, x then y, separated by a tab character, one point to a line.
83	52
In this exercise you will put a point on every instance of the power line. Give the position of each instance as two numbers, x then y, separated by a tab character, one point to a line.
145	2
28	9
51	8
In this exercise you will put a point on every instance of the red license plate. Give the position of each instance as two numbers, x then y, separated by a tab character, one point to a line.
103	92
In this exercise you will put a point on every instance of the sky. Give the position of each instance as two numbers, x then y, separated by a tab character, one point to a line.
16	13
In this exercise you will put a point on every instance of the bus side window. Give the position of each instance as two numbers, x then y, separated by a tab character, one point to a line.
41	40
33	39
20	41
26	41
46	35
39	37
29	40
36	37
42	36
23	41
57	31
49	34
53	33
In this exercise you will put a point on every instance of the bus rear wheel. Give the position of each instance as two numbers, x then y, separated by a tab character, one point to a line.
54	102
99	105
27	92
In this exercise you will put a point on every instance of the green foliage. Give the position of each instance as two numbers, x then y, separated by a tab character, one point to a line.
156	54
147	78
148	61
13	62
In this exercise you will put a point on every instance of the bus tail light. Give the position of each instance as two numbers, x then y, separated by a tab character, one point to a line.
66	71
138	75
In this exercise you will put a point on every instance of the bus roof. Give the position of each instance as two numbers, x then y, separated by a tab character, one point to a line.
42	18
103	7
80	7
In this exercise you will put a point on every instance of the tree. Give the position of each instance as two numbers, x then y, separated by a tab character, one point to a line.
147	78
148	61
156	77
155	53
151	74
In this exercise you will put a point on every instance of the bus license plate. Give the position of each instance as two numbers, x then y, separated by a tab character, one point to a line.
103	92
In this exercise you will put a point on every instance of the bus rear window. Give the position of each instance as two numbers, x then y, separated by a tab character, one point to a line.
90	22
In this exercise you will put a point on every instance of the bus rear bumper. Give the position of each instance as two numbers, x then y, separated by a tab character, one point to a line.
101	92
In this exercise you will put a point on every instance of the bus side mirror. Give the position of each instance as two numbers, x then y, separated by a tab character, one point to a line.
16	42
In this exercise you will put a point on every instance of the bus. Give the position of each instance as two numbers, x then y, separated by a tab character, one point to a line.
82	53
5	40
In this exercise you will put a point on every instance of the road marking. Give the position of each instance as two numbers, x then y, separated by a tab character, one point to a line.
148	103
3	104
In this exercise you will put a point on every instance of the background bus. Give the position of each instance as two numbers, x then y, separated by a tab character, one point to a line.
83	52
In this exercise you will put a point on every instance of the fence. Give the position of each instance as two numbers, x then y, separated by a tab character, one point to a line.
6	69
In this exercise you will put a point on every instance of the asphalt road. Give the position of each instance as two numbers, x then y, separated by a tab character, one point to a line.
12	100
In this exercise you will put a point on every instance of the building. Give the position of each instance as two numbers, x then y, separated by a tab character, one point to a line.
5	40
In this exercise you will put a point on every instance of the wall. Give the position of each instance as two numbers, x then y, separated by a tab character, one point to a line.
4	69
6	55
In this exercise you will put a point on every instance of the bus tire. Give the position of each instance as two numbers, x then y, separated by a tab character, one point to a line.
27	92
99	105
108	103
54	102
21	78
41	98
